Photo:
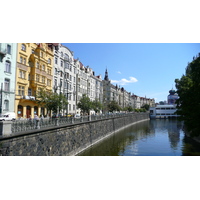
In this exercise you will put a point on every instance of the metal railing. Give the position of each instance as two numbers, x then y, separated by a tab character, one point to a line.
28	125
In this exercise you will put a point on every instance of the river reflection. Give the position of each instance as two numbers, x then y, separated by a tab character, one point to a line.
160	137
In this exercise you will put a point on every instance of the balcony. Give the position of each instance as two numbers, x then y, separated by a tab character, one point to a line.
28	97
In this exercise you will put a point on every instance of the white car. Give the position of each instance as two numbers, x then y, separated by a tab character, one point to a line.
9	116
77	116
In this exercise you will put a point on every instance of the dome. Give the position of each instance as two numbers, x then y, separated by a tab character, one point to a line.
172	92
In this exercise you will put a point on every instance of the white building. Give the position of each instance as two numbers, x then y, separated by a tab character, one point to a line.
65	76
163	111
7	79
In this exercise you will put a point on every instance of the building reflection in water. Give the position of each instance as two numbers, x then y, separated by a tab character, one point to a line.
159	137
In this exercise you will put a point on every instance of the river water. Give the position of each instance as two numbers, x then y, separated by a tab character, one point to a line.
158	137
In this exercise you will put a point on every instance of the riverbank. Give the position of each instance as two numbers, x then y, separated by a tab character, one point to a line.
66	140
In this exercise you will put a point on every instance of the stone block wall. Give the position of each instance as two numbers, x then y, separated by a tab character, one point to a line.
65	140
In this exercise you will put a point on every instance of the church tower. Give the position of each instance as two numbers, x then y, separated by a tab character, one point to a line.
106	75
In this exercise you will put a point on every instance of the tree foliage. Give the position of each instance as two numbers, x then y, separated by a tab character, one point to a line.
188	90
113	106
129	109
85	104
97	106
52	101
146	106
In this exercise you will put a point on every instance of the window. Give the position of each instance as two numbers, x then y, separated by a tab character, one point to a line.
23	47
66	57
8	66
49	61
8	49
70	107
42	54
32	50
6	105
37	78
61	54
48	71
66	65
21	90
55	82
73	107
21	59
48	82
43	67
7	84
56	60
22	74
61	63
37	65
43	79
29	92
24	61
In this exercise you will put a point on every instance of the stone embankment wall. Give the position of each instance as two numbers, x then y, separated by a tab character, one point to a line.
65	140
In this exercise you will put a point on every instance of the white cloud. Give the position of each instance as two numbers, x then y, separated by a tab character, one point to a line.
124	81
119	72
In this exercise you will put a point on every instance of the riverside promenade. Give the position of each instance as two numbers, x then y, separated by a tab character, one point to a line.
62	136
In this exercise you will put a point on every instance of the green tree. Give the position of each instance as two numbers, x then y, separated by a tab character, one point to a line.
113	106
188	90
129	109
146	106
97	106
52	101
85	104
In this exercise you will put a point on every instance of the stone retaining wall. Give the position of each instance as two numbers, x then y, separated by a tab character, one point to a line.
65	140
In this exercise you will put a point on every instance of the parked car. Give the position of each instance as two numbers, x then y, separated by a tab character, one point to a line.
77	116
9	116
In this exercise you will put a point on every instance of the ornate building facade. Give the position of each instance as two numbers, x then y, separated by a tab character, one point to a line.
33	73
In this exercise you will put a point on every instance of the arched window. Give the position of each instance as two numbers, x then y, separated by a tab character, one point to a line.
23	47
20	111
8	66
35	110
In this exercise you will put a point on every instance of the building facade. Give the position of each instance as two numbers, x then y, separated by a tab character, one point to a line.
8	52
27	68
33	73
65	77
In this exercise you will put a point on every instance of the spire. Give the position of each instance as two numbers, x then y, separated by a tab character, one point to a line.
106	75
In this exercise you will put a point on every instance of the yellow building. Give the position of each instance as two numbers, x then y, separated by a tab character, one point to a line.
34	72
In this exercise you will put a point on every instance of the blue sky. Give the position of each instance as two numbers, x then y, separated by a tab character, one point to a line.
145	69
